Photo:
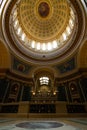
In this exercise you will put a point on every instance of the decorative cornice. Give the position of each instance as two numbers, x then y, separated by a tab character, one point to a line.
81	73
6	73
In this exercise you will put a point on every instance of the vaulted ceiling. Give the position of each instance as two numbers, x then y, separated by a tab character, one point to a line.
43	35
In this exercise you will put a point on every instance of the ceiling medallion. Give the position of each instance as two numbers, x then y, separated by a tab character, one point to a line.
43	9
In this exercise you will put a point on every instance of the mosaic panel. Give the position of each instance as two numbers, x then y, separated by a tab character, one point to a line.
39	125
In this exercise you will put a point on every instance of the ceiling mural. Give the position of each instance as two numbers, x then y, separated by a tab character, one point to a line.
43	9
20	67
67	66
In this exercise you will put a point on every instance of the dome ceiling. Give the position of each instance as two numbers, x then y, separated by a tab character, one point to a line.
42	30
43	20
44	26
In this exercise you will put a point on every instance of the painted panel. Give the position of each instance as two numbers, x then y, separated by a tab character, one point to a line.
67	66
20	66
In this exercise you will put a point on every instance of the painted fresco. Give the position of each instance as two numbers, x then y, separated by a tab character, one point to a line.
67	66
20	66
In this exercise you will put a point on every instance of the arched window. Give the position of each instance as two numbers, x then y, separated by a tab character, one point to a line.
44	80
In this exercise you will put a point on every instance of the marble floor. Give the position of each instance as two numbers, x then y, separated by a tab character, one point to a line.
43	124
